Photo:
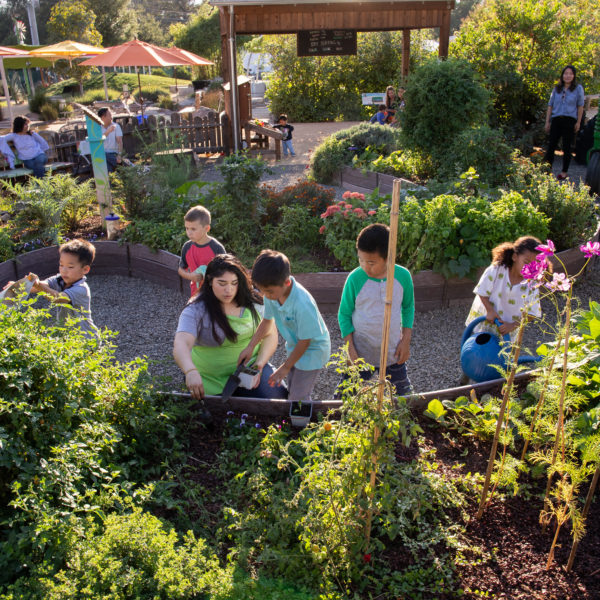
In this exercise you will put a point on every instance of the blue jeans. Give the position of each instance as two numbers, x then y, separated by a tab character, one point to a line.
37	164
264	390
111	161
287	145
397	375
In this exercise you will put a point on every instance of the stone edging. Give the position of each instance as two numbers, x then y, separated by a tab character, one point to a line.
432	290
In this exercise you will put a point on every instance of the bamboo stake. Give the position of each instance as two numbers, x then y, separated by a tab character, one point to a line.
586	508
507	390
385	334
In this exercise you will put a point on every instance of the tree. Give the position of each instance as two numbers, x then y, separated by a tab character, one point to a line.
116	21
150	30
462	9
520	46
166	12
73	20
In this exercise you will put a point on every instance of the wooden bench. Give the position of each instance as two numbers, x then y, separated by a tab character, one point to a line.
19	172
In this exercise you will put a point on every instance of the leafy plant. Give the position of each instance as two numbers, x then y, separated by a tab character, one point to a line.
6	244
338	149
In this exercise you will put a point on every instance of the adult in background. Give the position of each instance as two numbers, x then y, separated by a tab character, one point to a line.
31	147
113	139
391	104
563	118
216	325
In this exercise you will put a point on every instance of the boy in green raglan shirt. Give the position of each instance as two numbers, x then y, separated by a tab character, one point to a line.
362	306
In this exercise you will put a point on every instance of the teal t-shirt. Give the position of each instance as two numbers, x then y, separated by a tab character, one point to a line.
298	318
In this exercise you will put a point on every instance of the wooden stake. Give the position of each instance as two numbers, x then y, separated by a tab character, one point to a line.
385	335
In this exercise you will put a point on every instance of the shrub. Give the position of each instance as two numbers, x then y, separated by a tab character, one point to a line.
412	164
308	194
338	149
169	235
166	102
6	244
442	99
152	93
49	111
213	99
48	208
131	556
482	148
572	211
97	95
38	99
74	424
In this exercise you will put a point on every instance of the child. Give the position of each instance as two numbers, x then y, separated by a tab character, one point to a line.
200	249
69	289
298	320
380	116
362	307
287	134
501	292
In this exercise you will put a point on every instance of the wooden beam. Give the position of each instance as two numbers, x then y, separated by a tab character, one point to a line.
405	52
369	16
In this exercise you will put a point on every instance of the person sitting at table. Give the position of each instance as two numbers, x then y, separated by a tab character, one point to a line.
113	142
31	147
216	325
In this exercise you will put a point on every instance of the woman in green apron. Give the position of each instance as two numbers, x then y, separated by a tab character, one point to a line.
216	325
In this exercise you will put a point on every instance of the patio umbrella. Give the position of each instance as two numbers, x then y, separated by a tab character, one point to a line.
187	55
8	52
67	49
136	54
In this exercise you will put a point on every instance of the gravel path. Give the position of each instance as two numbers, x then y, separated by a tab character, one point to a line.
147	328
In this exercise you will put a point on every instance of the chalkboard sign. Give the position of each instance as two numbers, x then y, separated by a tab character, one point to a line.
326	42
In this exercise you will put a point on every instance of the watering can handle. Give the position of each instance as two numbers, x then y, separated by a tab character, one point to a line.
469	330
506	336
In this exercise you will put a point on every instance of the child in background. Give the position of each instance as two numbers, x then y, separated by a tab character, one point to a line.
380	116
502	293
200	248
362	307
69	289
286	129
298	320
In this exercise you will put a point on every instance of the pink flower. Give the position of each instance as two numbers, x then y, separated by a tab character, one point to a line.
560	282
347	195
372	212
359	211
590	249
546	249
346	212
534	270
322	229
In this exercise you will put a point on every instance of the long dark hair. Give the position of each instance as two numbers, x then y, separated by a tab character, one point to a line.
388	100
19	124
561	82
245	297
503	254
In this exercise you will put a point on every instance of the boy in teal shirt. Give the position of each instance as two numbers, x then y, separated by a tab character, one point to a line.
362	306
298	320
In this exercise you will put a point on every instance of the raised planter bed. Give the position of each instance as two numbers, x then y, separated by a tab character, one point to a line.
432	290
354	180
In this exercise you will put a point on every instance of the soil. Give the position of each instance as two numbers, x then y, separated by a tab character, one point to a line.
510	550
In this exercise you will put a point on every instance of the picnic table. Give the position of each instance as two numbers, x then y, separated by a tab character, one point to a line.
263	134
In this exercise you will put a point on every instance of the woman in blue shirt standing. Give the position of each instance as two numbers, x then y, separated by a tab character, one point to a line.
563	119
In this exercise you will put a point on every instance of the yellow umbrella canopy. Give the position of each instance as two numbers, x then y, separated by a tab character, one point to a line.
67	49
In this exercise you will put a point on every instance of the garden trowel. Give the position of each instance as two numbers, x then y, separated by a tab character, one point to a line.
232	384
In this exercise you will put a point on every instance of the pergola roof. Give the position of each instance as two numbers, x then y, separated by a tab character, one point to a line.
416	3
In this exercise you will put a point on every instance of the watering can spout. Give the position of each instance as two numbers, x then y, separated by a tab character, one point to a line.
528	358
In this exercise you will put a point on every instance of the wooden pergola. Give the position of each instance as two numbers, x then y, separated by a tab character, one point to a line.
292	16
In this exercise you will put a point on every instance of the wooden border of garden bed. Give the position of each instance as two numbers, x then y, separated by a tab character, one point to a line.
432	290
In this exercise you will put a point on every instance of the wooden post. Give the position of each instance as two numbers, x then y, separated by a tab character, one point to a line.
444	34
405	52
385	336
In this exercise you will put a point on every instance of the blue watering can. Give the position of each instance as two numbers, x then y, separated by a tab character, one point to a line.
480	352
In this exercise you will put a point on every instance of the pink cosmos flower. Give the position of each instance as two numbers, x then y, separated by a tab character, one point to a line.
560	282
346	212
322	229
546	249
534	272
372	212
590	249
